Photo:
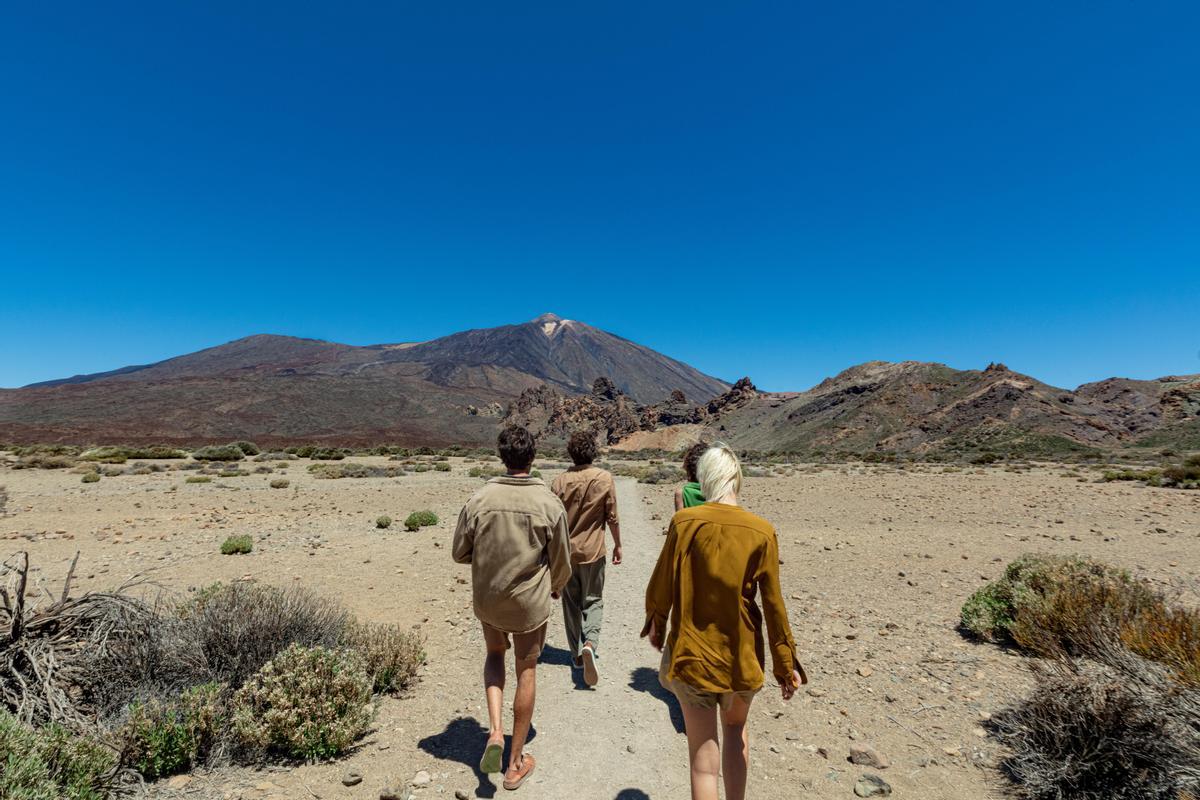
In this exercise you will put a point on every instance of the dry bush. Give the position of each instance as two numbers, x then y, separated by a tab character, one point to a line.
1081	612
50	659
44	461
1169	636
280	483
392	655
3	501
307	702
219	452
1092	732
240	626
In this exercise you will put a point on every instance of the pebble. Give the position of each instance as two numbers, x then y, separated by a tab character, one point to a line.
867	756
422	778
872	786
460	794
865	671
352	778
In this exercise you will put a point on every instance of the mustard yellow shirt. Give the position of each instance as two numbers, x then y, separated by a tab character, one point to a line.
717	562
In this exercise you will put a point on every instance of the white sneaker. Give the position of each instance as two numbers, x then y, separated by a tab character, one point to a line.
591	675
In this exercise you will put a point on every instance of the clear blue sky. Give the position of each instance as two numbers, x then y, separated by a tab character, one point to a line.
778	190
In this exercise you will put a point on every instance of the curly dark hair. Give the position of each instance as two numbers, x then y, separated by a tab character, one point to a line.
691	458
517	448
582	447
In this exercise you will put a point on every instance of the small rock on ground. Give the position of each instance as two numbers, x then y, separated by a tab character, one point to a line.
866	756
872	786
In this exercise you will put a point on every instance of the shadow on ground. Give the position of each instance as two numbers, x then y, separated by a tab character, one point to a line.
463	741
558	657
645	679
632	794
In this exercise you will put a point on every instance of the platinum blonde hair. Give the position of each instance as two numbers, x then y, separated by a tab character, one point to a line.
719	472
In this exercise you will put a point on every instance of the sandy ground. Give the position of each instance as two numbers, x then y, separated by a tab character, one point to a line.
876	562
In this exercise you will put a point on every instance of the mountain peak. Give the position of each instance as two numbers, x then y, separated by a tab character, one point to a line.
547	317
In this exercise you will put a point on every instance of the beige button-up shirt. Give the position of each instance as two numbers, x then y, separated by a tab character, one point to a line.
513	532
590	497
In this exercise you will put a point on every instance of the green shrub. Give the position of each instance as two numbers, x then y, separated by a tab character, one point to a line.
219	452
161	739
353	469
237	545
280	483
441	466
391	654
247	448
383	522
52	764
420	519
308	703
120	454
90	477
232	473
992	611
421	468
197	479
485	472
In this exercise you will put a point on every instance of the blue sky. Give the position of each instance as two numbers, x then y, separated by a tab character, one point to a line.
778	190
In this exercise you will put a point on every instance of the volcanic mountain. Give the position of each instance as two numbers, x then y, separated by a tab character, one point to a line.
286	389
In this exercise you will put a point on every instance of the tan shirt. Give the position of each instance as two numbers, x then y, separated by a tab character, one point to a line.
513	533
717	563
590	497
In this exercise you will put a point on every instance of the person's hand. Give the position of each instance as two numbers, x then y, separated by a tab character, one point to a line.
617	554
789	688
655	636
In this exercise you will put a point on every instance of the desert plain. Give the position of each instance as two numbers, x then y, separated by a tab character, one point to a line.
876	562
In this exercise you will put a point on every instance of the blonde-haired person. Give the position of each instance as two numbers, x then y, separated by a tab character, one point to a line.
718	560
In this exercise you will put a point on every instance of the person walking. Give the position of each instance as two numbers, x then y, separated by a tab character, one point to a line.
590	497
513	532
690	494
718	560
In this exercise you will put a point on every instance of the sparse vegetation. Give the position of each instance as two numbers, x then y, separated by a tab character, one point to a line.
237	545
441	466
280	483
90	477
383	521
308	703
219	452
44	461
197	479
120	454
485	472
247	448
420	519
653	473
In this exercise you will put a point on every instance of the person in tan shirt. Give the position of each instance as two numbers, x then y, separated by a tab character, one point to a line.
513	532
717	558
590	497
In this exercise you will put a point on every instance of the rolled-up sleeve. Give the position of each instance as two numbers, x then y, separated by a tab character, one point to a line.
610	504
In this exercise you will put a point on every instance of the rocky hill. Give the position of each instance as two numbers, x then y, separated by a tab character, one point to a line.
878	407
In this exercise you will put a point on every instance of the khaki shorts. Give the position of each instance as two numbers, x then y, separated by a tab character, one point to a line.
525	646
689	695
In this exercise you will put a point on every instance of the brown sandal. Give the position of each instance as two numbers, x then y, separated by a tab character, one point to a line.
525	770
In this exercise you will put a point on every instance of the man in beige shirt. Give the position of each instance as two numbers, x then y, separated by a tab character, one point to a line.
590	497
513	532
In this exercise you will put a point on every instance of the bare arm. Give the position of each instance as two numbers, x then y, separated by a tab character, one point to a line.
679	499
614	524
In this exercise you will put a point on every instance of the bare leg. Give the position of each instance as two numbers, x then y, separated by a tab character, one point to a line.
704	750
493	681
735	757
523	704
